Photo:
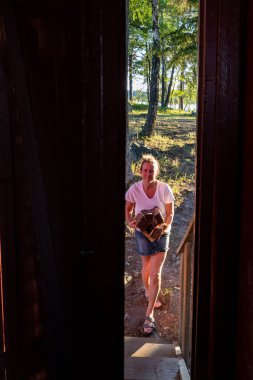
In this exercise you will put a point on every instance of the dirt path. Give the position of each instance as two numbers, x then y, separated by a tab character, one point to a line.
167	318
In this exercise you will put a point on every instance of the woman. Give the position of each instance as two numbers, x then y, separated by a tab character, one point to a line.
144	195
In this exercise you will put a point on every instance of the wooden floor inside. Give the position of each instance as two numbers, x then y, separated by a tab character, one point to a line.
150	359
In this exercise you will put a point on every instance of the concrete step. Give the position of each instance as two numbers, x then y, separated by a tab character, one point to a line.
148	347
150	359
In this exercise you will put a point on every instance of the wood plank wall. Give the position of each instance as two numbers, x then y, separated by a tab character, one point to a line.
63	71
223	244
244	343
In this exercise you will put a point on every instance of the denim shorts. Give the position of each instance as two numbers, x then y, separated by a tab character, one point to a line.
147	248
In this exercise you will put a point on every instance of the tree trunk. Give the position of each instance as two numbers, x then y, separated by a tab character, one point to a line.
130	75
148	88
181	101
148	72
154	83
163	80
166	103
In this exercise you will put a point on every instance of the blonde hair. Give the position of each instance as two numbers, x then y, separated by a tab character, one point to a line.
152	160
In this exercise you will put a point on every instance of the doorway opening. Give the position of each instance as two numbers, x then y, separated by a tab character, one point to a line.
162	101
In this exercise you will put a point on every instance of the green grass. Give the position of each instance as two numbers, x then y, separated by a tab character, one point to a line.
173	143
142	109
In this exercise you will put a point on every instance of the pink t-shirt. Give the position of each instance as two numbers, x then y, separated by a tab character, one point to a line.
163	195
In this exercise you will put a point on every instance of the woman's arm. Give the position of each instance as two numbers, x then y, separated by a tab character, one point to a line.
129	208
169	207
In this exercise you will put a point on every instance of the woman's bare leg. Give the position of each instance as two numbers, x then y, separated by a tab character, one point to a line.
145	272
156	265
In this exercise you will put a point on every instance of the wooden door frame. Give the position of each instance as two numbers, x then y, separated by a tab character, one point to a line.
219	167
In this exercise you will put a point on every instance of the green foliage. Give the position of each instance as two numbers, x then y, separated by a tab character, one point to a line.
169	112
140	107
178	27
139	13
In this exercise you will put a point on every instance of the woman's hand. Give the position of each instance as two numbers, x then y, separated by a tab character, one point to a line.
164	226
129	214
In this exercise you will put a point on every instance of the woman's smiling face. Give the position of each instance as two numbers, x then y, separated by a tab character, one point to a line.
148	172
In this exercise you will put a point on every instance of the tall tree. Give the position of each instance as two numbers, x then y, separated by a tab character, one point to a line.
166	101
139	26
130	75
178	31
154	83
